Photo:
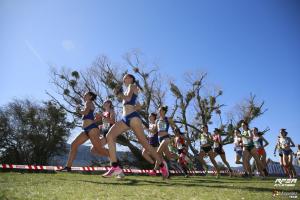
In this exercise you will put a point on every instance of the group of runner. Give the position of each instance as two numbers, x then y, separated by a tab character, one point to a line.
247	143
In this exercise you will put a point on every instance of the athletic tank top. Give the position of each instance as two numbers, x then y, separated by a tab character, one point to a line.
298	154
237	143
216	139
180	143
246	141
90	115
204	138
258	142
284	142
151	127
163	125
132	101
106	125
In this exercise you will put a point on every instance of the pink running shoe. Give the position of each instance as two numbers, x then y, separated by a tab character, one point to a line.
114	171
152	173
164	170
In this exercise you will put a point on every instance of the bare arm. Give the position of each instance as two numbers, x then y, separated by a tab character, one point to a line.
131	89
220	139
138	106
266	142
175	141
87	108
292	143
112	117
276	147
98	118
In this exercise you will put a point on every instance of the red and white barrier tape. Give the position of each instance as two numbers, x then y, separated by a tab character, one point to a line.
134	171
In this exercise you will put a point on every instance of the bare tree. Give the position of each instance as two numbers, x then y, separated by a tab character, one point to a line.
102	77
247	111
192	108
195	109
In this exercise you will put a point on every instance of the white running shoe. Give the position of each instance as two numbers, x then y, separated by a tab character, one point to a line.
120	176
114	171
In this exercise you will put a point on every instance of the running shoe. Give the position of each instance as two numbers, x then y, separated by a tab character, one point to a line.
65	169
152	173
164	170
114	171
120	176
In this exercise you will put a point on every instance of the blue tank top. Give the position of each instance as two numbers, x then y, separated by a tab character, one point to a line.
163	124
90	116
132	101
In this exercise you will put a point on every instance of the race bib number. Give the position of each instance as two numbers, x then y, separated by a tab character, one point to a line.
216	145
203	140
283	142
179	146
106	126
246	141
257	144
162	126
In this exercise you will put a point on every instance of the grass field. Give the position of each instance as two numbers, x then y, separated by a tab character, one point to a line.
80	186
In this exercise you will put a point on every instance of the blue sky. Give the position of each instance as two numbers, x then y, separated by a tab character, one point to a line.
244	46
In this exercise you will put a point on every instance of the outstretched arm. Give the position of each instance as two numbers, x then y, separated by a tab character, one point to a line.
276	147
138	106
112	117
86	110
266	142
292	143
131	89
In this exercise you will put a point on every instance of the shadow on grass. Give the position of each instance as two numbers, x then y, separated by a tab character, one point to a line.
187	183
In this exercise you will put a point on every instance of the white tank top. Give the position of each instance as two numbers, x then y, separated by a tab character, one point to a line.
237	141
284	142
298	154
246	141
203	138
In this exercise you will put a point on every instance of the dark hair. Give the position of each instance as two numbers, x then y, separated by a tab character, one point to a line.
164	108
217	130
244	122
284	131
238	130
259	133
110	103
93	95
136	82
204	126
177	130
154	115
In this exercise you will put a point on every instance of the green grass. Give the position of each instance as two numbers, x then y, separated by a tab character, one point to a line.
80	186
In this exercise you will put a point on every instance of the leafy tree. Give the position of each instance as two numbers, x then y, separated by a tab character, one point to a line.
32	133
